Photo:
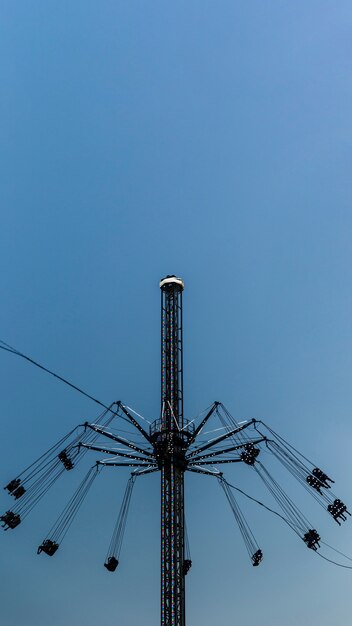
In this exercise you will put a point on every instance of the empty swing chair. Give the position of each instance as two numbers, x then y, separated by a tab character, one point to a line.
113	555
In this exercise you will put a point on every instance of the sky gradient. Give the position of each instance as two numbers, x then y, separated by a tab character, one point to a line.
212	140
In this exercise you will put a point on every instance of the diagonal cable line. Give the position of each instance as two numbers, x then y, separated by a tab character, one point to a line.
8	348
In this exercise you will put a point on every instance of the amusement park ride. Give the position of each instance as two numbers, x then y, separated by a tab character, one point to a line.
171	445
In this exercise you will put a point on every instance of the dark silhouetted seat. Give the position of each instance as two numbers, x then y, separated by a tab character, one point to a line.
324	478
257	558
111	563
19	492
315	483
10	520
311	539
249	454
65	459
338	510
48	546
13	484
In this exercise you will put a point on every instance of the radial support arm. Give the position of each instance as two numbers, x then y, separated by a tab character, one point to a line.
148	470
135	423
203	422
200	470
118	464
131	456
125	442
219	461
226	450
214	442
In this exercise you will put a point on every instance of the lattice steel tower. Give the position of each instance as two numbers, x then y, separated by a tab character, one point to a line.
172	438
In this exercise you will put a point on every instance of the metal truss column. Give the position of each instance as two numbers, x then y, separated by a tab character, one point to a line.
172	462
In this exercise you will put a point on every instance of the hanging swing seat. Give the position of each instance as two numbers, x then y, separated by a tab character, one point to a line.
19	492
13	484
257	558
111	563
10	520
311	539
250	454
48	546
338	510
15	488
324	478
65	459
315	483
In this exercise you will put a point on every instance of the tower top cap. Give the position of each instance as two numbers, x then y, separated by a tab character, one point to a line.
172	280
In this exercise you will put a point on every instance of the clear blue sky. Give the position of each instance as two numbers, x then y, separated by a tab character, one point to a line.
212	140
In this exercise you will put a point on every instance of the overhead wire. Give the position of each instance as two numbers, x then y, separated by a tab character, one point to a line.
337	551
296	517
5	346
332	561
284	519
217	474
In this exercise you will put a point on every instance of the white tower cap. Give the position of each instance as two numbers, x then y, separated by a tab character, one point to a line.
172	280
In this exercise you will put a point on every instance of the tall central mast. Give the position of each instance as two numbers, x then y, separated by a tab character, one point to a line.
172	455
